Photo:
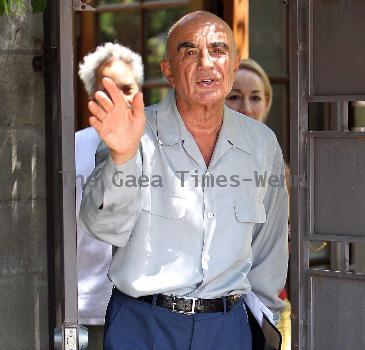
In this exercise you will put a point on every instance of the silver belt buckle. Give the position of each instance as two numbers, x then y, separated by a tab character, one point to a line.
173	303
193	304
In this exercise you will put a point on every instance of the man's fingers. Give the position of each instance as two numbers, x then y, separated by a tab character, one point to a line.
114	92
96	110
138	105
94	122
104	101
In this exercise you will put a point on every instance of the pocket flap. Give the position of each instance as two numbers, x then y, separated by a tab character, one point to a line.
249	211
166	205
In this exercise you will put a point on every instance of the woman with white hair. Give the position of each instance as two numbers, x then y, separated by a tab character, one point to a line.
125	68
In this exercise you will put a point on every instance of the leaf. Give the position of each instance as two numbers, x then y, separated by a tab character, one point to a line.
4	7
39	5
19	6
12	7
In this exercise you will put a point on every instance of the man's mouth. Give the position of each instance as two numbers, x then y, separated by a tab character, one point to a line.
207	82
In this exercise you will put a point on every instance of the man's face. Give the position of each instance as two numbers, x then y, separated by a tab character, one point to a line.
122	74
202	62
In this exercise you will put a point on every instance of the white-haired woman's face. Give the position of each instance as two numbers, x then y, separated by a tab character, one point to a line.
122	74
248	95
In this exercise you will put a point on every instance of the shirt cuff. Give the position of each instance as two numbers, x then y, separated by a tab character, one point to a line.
112	172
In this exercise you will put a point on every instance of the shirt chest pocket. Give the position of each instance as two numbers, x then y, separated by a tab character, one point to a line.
249	211
164	205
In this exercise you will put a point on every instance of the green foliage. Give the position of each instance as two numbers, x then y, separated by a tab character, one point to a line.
18	7
157	24
126	26
3	7
39	5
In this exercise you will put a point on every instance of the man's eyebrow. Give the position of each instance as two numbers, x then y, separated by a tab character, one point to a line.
186	44
221	44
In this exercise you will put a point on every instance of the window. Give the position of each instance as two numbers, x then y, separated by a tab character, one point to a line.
268	37
140	25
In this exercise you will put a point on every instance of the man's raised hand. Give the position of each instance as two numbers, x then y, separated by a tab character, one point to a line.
119	125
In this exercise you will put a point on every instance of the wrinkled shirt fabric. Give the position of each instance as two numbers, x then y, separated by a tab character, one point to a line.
93	256
187	229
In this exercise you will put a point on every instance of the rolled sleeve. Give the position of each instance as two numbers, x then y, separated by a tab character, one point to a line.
110	209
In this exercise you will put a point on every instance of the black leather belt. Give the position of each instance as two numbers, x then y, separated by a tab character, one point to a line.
193	305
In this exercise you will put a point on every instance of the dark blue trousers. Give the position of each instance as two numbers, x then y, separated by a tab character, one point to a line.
131	324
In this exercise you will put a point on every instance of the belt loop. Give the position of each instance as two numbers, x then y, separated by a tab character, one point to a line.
224	304
154	301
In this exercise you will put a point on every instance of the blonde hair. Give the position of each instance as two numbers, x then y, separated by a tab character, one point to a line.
251	65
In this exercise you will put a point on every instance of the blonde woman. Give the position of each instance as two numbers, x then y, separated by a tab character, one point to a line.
251	93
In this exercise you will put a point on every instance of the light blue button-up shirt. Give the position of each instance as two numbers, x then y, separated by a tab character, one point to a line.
186	229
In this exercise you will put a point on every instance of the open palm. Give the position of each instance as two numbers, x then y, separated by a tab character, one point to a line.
119	125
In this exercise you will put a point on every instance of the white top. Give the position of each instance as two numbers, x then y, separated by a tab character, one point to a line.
93	256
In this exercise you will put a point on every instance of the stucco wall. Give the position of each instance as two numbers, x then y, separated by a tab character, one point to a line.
23	255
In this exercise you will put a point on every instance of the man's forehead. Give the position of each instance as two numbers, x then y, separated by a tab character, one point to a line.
210	32
121	72
197	27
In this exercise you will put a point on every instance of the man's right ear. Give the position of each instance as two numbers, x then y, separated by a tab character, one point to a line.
167	72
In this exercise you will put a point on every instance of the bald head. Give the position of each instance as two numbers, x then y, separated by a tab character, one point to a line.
201	60
200	19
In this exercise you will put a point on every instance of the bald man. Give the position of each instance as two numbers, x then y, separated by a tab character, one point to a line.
185	189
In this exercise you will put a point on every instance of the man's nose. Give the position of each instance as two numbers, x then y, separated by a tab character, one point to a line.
205	60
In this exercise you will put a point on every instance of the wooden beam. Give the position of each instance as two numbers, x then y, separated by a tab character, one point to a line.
87	44
196	5
151	5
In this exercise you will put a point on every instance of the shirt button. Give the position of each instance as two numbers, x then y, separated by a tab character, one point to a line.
206	257
210	215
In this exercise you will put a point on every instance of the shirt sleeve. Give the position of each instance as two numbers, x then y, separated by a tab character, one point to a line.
270	241
109	208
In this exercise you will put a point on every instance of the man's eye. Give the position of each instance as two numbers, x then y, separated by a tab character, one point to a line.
218	50
190	52
127	90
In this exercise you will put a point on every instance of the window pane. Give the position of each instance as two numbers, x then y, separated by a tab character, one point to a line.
319	255
157	24
154	95
120	26
268	42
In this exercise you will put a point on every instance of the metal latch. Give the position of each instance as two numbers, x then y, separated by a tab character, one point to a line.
82	5
70	336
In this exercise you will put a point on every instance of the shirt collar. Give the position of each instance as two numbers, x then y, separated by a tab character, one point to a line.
235	130
168	126
171	128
